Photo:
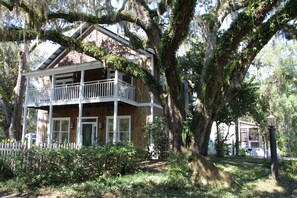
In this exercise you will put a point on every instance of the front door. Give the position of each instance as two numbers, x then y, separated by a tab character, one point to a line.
89	131
87	134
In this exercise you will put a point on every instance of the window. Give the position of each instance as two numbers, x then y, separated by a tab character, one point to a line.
61	129
243	134
122	76
255	145
254	135
124	128
63	79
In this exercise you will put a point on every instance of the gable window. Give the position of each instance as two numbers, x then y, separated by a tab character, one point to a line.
124	128
61	130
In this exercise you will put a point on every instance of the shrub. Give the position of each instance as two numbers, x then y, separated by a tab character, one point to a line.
289	167
179	165
160	136
55	166
243	152
5	170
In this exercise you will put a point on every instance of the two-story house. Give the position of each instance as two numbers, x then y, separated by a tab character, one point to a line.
80	100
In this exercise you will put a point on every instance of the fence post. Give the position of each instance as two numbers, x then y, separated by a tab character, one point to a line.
30	140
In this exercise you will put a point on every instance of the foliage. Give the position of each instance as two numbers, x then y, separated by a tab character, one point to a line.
243	152
158	130
179	165
40	166
252	173
8	68
5	170
248	102
277	65
219	143
187	133
290	167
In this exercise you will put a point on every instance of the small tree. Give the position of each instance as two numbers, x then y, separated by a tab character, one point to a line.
158	131
247	102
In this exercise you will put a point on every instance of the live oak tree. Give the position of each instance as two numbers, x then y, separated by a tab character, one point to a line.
229	51
231	34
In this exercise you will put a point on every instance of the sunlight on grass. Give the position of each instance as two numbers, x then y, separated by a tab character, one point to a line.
253	175
266	185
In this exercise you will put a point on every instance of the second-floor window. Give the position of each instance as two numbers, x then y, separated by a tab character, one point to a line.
63	79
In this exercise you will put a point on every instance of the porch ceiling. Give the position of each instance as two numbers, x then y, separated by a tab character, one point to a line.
65	69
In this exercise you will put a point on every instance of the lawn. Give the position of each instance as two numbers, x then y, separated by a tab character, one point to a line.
153	180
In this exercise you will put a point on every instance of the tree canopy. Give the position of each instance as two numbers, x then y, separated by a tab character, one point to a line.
279	88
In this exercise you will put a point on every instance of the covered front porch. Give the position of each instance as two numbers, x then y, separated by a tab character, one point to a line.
78	85
96	124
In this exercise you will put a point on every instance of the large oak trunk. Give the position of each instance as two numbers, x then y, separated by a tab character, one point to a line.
203	124
175	117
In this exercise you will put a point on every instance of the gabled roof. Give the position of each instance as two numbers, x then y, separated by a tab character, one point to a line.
61	52
82	32
248	124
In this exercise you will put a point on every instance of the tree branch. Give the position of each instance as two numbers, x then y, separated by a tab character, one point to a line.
7	5
182	14
257	41
226	7
290	31
99	54
251	17
105	19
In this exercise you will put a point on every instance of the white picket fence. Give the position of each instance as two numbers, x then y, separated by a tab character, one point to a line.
10	149
14	148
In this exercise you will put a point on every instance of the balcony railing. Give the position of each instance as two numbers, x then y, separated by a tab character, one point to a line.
94	90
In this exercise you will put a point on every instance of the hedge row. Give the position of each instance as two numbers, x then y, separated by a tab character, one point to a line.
39	166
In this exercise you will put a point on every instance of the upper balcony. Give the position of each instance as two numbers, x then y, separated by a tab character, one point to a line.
89	92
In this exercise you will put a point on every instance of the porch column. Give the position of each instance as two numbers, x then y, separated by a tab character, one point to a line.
115	111
80	109
25	112
50	117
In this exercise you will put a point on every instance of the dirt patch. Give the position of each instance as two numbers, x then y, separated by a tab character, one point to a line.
154	165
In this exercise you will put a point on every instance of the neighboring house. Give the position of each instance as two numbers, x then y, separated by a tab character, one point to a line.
249	135
249	138
80	100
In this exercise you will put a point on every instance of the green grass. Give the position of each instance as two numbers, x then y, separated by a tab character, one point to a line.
253	175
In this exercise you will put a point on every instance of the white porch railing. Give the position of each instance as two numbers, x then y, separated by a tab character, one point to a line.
96	89
126	90
66	92
70	92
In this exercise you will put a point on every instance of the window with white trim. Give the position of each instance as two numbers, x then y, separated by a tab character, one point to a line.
124	128
61	130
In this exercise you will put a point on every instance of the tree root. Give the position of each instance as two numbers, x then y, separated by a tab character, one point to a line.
207	173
